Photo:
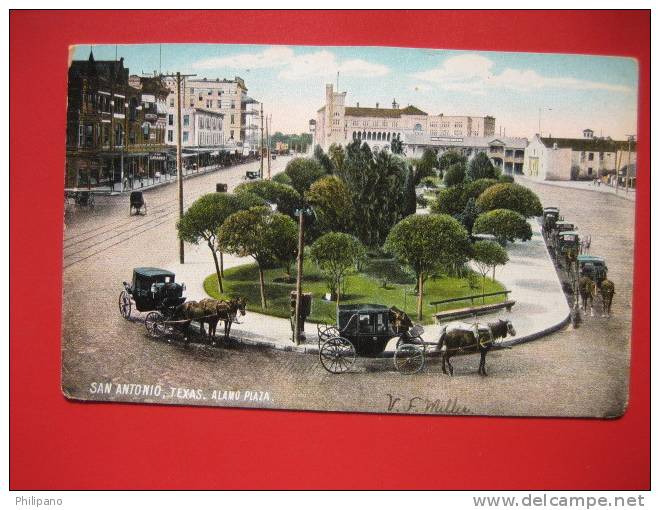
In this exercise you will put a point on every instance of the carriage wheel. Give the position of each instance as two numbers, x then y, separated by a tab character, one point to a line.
124	304
155	324
409	358
337	355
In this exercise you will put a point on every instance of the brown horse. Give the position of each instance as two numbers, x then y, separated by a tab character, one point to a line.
225	311
607	295
587	288
464	337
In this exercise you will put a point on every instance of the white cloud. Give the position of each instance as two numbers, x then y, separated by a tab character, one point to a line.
295	67
474	73
273	56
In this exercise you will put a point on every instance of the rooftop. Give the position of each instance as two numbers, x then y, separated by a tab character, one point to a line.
588	144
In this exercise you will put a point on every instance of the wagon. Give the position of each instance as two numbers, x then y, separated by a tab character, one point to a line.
559	227
592	266
365	330
137	203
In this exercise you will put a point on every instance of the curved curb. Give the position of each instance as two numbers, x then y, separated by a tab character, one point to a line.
259	341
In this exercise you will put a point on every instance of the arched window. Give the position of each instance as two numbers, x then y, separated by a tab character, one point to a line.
418	127
364	135
388	136
359	135
378	137
369	135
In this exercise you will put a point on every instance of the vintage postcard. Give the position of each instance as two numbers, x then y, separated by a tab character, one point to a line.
369	229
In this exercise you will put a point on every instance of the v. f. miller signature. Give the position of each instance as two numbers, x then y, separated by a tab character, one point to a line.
424	405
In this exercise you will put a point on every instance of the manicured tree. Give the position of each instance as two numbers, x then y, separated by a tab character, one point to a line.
469	215
426	243
330	198
409	194
261	234
505	178
475	188
450	201
480	167
449	158
303	172
323	159
282	178
487	254
206	215
336	254
504	224
455	174
284	197
510	196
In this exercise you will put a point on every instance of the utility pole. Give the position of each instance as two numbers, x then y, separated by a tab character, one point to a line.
261	159
630	140
268	121
299	269
180	78
617	165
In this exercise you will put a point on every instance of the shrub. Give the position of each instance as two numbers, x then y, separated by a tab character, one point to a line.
510	196
503	224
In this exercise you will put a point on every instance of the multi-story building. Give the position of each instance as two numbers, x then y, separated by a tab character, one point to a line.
506	153
341	124
115	132
589	157
228	97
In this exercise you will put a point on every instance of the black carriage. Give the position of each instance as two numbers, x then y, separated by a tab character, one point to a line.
593	267
137	203
152	289
550	217
559	227
365	330
251	175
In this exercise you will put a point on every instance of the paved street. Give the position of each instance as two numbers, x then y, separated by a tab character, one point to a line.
579	372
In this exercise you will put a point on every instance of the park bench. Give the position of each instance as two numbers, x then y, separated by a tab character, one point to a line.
473	310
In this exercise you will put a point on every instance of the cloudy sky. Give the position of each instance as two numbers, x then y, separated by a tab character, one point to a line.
573	92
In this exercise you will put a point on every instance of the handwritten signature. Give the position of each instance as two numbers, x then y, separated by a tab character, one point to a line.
424	405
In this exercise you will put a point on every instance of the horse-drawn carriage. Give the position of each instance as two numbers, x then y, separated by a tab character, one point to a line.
550	217
365	330
593	267
137	203
152	290
567	241
155	292
250	175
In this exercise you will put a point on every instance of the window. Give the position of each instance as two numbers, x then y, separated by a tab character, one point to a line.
185	136
233	104
590	171
219	104
591	156
171	102
106	134
170	119
186	120
200	124
131	137
232	119
170	135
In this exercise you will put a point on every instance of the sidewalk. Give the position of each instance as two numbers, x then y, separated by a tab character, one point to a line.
585	186
540	308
